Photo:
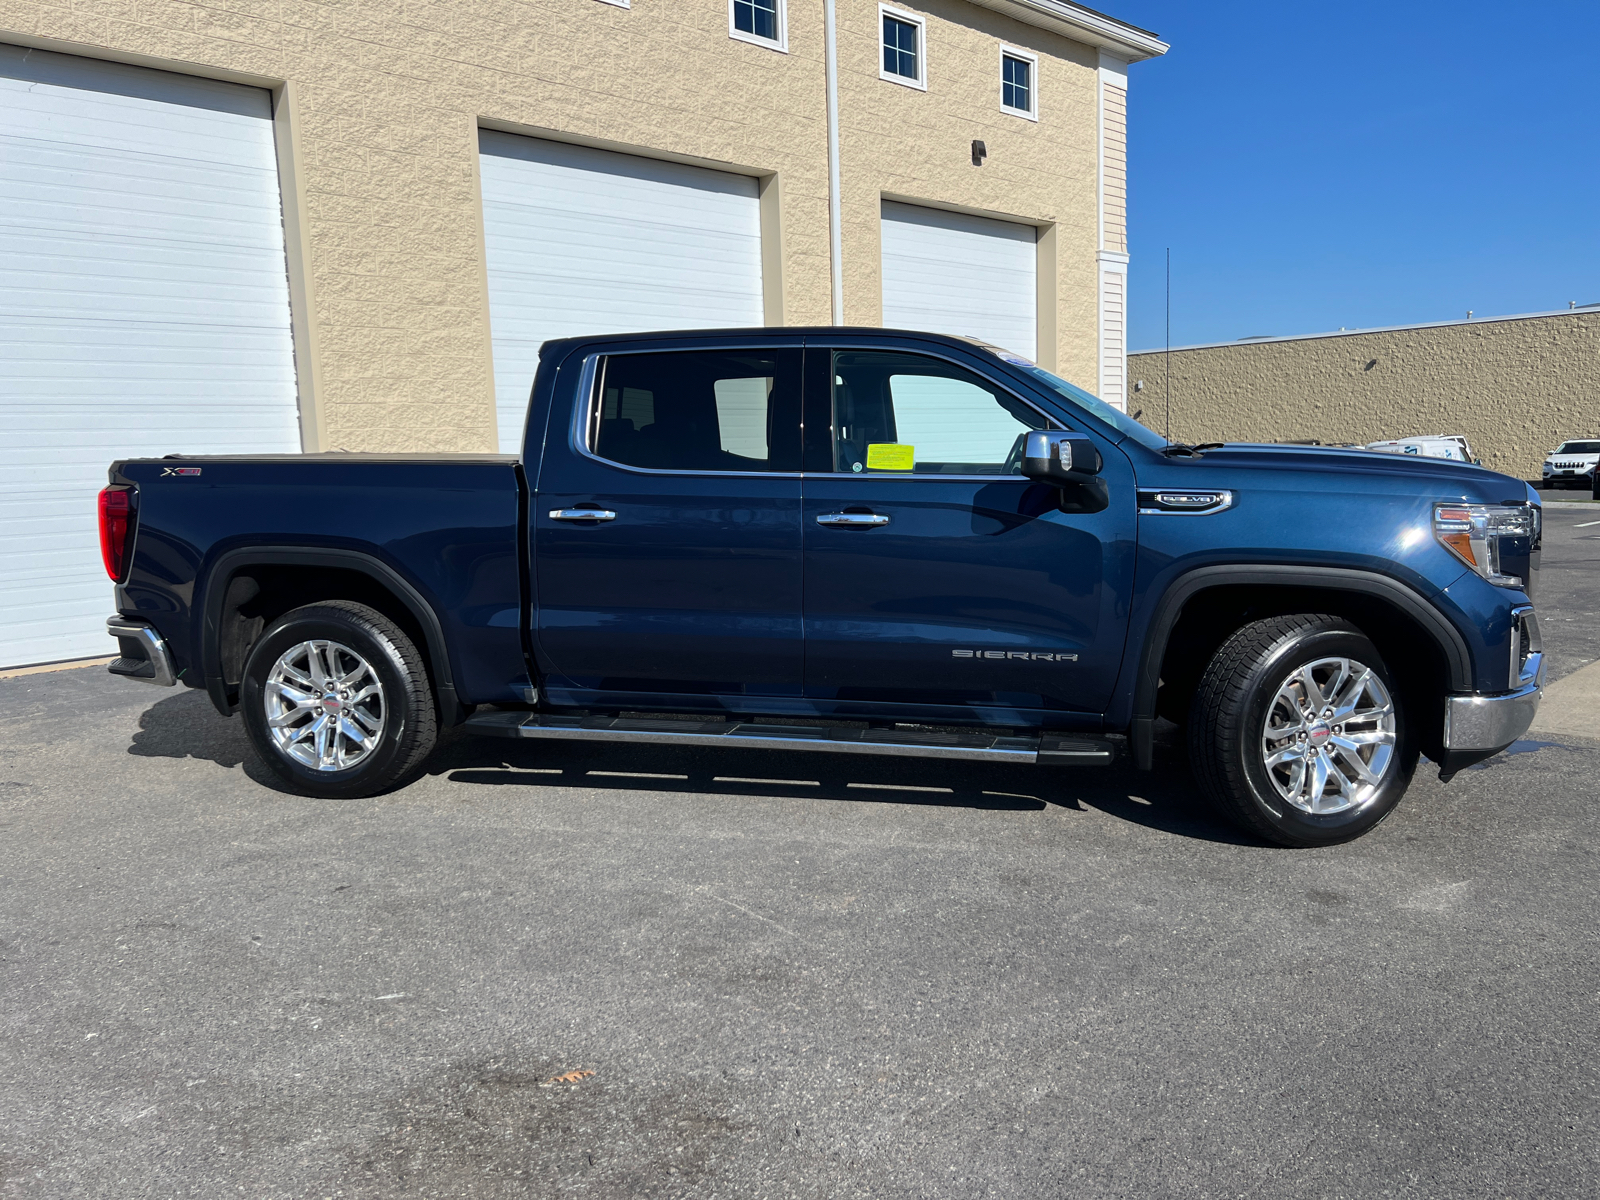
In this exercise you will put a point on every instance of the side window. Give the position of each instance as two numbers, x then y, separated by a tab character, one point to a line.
904	55
907	414
698	411
1017	86
758	21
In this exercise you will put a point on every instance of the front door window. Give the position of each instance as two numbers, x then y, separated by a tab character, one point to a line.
908	414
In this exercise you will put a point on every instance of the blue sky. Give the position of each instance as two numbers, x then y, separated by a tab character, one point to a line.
1314	166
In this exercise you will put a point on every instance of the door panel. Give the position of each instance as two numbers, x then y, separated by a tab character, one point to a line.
977	592
692	589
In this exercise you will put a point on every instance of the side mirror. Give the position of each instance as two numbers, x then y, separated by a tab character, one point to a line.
1059	458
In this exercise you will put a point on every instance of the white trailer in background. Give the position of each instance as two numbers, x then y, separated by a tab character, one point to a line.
1438	445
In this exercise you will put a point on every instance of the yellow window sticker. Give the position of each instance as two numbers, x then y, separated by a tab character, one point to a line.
886	456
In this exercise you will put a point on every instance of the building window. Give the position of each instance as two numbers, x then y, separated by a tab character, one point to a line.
904	54
1019	83
758	21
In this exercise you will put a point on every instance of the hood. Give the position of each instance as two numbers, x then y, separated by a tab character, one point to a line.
1390	472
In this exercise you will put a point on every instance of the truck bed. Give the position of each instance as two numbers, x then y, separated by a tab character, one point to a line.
446	526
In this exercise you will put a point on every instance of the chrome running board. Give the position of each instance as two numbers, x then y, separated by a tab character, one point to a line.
976	746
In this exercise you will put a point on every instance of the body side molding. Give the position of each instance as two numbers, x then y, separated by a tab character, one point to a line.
229	563
1345	579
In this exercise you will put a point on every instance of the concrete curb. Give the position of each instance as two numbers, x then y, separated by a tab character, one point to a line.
70	665
1571	706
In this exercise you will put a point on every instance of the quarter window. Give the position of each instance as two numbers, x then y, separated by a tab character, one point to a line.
757	21
1017	83
699	411
904	56
904	414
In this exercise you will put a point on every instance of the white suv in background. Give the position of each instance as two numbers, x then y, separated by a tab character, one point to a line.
1436	445
1571	464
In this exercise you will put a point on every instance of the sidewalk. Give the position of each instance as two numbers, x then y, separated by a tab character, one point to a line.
1571	706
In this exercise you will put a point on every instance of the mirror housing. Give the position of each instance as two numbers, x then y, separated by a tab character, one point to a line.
1060	458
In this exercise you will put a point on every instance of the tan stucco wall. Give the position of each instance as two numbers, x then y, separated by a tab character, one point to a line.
379	107
1515	388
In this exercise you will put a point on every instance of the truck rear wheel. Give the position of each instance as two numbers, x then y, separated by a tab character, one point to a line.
1297	733
337	703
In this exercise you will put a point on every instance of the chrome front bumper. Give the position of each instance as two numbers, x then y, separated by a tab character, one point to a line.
1489	722
144	652
1477	722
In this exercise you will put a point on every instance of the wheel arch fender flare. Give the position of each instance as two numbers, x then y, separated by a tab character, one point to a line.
1170	605
230	563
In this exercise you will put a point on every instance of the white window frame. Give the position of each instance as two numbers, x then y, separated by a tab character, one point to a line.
780	43
619	3
900	14
1032	59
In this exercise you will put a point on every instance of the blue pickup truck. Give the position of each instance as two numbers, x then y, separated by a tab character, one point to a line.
845	540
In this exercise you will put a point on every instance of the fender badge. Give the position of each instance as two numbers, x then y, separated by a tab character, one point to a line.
1023	655
165	471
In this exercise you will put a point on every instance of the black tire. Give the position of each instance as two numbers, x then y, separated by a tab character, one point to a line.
1229	713
409	725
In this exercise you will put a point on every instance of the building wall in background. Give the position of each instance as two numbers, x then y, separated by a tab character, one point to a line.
379	106
900	143
1516	387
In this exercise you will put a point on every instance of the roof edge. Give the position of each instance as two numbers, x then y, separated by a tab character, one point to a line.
1083	25
1339	333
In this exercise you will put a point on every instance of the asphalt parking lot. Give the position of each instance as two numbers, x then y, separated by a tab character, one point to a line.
566	971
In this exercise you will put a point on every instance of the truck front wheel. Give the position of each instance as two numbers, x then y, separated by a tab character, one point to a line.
1297	732
336	700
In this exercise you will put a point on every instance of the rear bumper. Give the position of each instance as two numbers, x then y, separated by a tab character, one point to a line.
1489	722
144	656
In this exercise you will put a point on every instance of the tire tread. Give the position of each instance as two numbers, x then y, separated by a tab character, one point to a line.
1217	712
420	734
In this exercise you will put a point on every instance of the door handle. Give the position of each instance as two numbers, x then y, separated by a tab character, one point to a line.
853	520
582	514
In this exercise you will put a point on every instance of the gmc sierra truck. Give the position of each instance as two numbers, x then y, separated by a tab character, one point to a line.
854	541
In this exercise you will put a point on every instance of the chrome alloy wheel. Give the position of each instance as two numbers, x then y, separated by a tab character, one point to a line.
1329	736
324	706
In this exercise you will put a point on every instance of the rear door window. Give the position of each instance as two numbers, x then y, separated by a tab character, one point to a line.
699	411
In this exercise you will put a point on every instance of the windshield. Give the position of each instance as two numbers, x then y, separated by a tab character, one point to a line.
1579	448
1096	407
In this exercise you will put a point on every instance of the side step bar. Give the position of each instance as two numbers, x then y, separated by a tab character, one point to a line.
977	746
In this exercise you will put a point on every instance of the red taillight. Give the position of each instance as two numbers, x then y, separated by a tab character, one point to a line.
116	530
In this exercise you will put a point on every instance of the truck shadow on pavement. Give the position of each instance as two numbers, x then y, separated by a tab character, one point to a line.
186	726
1163	799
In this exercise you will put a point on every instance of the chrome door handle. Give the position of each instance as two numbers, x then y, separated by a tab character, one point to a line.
582	514
853	520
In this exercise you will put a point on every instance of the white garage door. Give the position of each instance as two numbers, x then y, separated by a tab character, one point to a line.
587	241
144	310
970	276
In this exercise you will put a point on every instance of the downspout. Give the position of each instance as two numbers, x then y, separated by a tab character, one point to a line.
835	240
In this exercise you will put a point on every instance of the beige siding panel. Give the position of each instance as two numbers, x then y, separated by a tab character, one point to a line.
1114	134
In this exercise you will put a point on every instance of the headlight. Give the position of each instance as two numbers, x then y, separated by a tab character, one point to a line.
1480	535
